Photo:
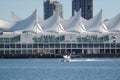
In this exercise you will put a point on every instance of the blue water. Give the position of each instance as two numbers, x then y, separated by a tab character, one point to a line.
53	69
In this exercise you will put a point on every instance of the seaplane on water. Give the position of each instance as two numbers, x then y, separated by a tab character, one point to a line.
67	58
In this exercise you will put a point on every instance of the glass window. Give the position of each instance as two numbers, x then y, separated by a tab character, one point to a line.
40	45
118	51
34	45
96	45
18	51
118	45
51	45
12	45
23	45
112	45
62	45
107	45
84	45
18	45
112	51
102	45
1	45
29	45
90	45
68	45
6	45
57	45
73	45
79	45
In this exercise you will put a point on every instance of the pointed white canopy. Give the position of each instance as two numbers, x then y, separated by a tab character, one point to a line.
75	24
113	24
55	24
39	19
52	24
5	25
96	24
14	16
28	24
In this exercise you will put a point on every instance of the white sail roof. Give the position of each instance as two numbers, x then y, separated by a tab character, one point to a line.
83	19
39	19
28	24
55	24
75	24
113	24
14	16
96	24
5	25
52	24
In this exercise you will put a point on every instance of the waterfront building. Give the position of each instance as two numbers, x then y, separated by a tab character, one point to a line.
58	36
86	7
50	6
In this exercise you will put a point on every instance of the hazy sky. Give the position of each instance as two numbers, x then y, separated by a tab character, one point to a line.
23	8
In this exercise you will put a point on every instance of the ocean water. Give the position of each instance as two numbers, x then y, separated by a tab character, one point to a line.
54	69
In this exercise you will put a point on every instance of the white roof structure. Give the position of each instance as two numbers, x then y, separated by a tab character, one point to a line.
55	24
5	26
52	24
96	24
113	24
28	25
75	24
39	19
14	16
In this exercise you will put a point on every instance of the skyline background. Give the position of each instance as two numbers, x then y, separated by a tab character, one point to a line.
24	8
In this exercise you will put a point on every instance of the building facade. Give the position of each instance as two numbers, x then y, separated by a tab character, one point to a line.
54	36
86	7
50	6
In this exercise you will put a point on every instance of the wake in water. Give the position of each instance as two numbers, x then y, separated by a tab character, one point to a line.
84	59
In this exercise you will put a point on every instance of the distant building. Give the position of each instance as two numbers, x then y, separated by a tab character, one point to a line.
86	7
50	6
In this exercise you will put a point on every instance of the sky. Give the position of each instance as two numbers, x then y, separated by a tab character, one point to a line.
24	8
